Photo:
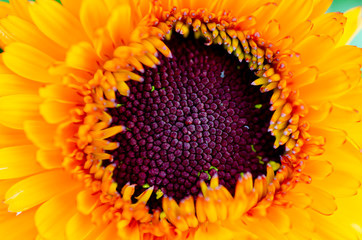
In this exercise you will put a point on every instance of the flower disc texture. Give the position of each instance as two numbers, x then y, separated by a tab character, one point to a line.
129	119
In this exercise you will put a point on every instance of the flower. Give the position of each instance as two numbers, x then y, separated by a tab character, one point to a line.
126	120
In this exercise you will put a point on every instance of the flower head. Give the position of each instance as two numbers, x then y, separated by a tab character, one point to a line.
178	120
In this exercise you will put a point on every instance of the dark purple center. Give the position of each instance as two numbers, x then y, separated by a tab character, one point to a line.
195	115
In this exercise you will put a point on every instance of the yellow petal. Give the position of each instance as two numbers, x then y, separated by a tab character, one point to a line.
56	22
53	216
326	228
36	189
353	25
18	161
16	109
28	62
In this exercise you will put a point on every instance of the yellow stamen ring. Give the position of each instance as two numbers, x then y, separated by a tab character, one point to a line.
215	203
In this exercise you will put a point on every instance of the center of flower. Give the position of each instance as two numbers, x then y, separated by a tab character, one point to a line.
194	116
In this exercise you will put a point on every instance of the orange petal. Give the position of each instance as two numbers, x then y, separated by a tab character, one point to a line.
18	161
110	232
330	24
56	22
12	137
128	230
319	44
5	9
62	111
326	228
93	15
211	229
28	62
265	229
40	133
280	220
16	109
320	7
334	137
351	158
309	76
335	84
322	202
23	31
52	217
318	169
19	227
82	56
239	8
302	225
72	6
5	185
87	201
20	8
61	93
291	13
36	189
49	159
301	32
340	116
340	57
14	84
348	186
300	200
78	227
120	32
